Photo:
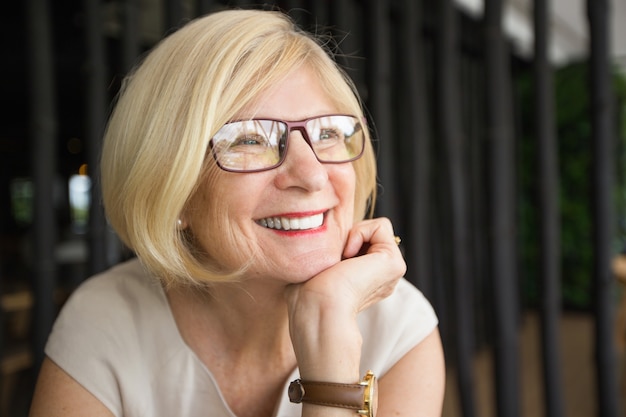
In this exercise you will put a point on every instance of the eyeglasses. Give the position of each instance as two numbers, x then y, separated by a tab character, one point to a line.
261	144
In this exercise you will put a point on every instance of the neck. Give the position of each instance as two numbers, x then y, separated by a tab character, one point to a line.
240	333
237	319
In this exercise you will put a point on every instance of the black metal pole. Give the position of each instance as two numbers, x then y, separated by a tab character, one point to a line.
502	198
320	14
603	140
205	6
174	14
130	33
452	135
96	100
297	9
43	131
379	84
343	19
415	119
550	273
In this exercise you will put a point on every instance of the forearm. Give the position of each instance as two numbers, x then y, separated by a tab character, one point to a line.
328	349
323	313
327	341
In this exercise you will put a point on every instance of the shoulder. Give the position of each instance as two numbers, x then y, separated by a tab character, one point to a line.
127	276
395	325
408	299
120	300
406	307
112	297
103	329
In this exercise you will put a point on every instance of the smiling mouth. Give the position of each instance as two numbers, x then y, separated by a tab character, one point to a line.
292	223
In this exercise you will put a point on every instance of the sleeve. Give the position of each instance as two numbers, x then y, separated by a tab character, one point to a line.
394	326
85	340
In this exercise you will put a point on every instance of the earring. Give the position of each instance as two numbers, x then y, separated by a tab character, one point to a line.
179	223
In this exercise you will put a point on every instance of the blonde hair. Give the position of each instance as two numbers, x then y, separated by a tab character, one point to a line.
194	81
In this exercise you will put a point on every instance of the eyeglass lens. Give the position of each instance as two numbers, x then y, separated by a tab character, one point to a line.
261	144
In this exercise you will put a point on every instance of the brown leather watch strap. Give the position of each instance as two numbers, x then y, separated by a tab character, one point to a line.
327	393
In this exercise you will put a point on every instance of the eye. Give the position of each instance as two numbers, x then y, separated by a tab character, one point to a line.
249	140
329	134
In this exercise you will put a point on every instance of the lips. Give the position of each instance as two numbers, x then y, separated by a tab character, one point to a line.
292	223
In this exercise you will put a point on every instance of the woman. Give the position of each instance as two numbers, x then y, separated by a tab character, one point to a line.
238	167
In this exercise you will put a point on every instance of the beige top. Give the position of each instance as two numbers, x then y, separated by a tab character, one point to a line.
117	337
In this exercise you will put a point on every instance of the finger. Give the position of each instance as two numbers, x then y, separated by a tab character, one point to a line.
368	233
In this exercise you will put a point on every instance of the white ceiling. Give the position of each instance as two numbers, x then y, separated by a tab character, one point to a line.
569	28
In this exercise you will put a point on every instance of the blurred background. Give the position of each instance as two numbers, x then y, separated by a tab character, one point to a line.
500	130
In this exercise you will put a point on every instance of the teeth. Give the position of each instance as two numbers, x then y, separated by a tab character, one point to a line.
288	223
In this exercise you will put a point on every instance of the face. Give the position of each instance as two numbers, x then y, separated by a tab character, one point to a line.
316	200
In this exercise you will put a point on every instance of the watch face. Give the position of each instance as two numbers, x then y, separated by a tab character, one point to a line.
295	392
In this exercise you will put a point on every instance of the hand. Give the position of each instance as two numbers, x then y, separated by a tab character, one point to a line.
323	310
372	248
371	267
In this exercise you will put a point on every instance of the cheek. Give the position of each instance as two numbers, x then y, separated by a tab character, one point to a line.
344	182
214	217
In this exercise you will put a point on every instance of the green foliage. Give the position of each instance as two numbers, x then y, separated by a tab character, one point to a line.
573	129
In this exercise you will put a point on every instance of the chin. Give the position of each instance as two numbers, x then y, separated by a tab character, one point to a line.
307	271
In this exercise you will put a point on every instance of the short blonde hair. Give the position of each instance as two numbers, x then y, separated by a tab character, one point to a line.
186	88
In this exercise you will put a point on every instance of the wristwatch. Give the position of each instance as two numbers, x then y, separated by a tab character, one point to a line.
361	397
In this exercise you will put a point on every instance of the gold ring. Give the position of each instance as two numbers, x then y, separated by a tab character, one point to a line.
397	240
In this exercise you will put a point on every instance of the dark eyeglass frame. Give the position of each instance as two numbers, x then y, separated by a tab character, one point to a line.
299	125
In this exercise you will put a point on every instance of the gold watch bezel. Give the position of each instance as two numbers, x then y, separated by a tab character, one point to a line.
370	396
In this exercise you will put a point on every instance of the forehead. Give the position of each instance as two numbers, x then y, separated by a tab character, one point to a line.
299	95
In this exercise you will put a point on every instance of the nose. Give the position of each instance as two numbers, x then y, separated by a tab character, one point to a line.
301	167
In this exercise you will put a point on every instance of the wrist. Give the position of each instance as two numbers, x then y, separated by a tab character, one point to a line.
361	397
327	348
330	357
